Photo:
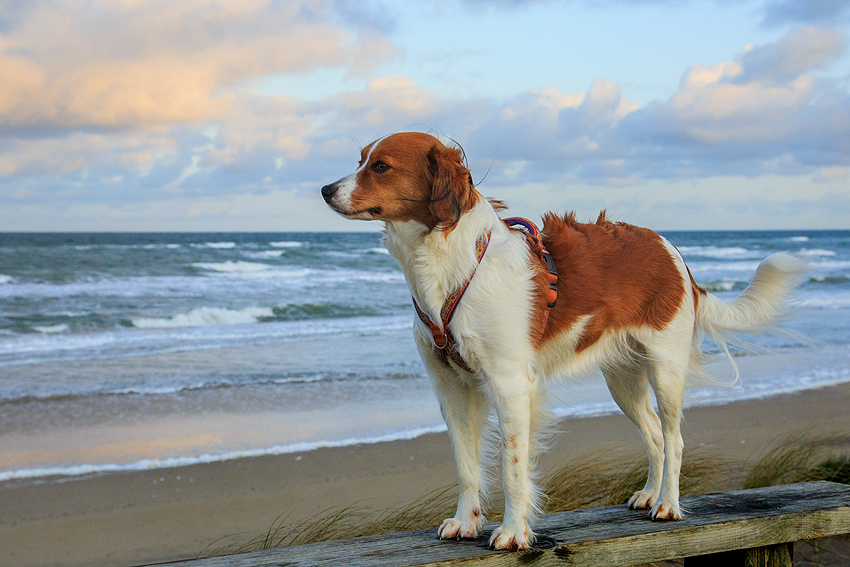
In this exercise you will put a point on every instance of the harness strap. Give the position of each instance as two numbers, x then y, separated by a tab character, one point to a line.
443	340
552	297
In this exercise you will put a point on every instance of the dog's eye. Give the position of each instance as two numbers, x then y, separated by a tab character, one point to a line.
380	167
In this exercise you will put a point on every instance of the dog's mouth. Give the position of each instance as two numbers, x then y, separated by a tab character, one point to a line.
360	214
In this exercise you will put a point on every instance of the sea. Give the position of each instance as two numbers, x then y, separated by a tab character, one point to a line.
129	351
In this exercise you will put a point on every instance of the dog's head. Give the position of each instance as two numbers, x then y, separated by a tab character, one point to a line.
403	177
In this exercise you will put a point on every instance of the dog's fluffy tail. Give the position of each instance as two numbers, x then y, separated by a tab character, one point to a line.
759	308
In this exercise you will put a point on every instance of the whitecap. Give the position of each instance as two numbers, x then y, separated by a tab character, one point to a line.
230	266
52	329
816	252
286	244
206	316
731	253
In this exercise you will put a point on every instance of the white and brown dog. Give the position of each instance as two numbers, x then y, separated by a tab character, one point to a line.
626	303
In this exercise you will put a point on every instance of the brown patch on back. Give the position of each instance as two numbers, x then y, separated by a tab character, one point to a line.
621	274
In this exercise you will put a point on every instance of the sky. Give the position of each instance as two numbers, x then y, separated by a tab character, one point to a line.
230	115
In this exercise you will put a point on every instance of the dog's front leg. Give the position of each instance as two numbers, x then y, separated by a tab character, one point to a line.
465	410
514	398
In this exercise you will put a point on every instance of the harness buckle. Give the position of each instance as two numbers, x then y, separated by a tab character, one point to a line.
443	338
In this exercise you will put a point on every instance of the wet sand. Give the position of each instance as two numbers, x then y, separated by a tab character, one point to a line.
134	518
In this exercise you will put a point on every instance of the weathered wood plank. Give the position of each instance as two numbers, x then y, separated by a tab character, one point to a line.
611	536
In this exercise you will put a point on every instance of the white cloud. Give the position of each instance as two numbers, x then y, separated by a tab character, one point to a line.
71	64
135	107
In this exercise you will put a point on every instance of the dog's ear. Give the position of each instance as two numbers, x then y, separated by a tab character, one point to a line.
451	189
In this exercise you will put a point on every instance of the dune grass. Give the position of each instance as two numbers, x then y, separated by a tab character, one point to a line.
587	480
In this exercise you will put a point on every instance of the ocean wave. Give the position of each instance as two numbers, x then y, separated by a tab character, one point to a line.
799	239
206	316
813	253
101	392
149	464
306	311
826	301
231	266
263	254
221	316
4	279
287	244
829	280
216	245
51	329
731	253
830	265
721	267
725	285
32	348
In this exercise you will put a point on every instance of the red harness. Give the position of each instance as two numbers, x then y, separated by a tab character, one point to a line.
443	340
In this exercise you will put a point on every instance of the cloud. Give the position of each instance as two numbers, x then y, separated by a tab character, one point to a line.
801	51
774	12
127	64
779	12
136	102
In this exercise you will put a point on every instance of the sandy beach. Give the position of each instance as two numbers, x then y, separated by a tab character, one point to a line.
135	518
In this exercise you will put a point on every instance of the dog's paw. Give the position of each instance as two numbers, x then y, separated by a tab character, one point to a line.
456	528
506	538
641	500
666	511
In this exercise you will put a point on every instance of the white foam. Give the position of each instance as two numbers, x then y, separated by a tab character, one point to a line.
233	267
700	267
826	301
799	239
814	252
52	329
148	464
206	316
32	348
731	253
266	254
830	265
220	245
4	279
286	244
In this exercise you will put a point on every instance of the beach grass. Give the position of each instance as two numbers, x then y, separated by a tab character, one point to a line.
588	479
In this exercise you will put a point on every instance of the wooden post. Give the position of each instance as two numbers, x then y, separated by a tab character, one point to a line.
780	555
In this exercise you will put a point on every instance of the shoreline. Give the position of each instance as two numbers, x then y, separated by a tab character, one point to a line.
137	517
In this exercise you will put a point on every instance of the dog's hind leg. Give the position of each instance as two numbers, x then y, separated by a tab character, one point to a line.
629	386
465	410
667	377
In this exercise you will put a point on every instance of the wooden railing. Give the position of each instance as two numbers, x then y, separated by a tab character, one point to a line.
749	527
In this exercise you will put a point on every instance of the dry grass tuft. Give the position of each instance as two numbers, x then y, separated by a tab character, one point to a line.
594	479
802	457
587	480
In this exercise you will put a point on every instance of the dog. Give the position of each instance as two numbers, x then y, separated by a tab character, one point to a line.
501	308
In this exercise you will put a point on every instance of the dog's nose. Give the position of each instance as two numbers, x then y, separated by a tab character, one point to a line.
328	192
